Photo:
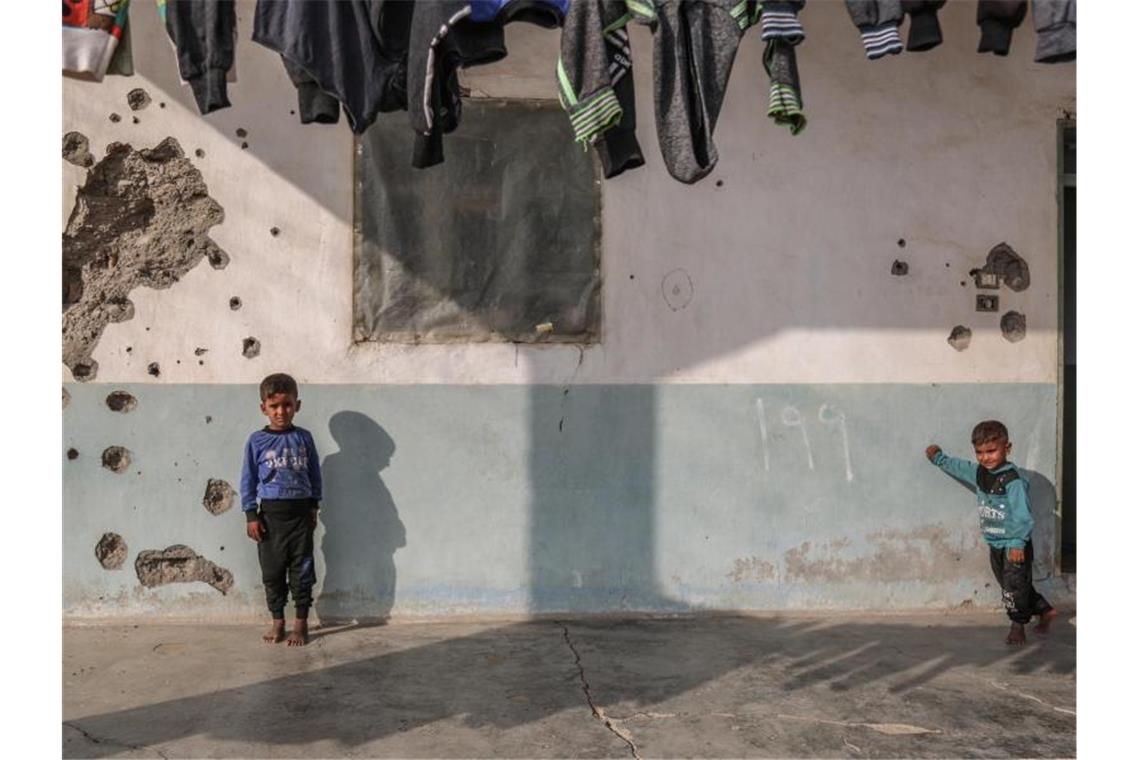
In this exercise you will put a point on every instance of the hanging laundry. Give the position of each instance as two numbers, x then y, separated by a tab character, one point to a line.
545	13
203	33
446	37
997	20
92	30
924	33
595	80
878	22
785	104
1056	22
352	51
782	31
780	20
694	46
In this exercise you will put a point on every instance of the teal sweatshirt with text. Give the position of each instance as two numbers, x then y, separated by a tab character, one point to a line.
1003	500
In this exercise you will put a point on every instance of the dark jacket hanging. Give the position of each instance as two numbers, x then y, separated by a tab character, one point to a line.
203	33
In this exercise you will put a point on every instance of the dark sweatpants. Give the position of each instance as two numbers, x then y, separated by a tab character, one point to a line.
286	555
1021	600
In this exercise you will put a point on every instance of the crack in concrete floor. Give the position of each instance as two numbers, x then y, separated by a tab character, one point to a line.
597	711
105	740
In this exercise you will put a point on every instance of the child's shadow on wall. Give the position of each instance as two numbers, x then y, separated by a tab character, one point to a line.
362	527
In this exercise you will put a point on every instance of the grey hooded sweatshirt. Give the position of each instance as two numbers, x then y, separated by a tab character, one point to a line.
1056	22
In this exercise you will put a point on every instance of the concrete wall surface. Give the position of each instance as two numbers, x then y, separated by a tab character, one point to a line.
748	433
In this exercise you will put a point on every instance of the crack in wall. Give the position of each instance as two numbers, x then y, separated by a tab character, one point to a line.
141	219
597	711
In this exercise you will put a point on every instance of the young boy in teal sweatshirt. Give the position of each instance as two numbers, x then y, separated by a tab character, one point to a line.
1007	523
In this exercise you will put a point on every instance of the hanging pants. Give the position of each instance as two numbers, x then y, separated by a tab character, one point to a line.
1021	600
286	555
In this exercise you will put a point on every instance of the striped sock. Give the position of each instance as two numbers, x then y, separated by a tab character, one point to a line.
882	40
781	24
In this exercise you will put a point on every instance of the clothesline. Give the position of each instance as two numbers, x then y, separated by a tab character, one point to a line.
368	57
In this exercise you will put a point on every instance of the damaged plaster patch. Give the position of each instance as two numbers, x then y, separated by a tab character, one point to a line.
895	555
960	338
138	99
111	551
121	401
180	564
751	568
1002	265
141	220
116	459
219	496
1013	326
76	149
250	347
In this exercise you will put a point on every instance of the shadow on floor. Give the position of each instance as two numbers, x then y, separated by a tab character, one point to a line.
517	674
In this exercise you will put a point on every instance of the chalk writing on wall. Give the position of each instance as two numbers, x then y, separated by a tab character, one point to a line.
829	415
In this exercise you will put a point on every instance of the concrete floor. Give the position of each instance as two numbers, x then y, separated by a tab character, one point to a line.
794	686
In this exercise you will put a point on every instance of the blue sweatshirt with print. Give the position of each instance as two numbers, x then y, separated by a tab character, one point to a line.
1003	500
279	464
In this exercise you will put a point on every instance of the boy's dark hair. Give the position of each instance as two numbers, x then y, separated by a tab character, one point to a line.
276	383
987	431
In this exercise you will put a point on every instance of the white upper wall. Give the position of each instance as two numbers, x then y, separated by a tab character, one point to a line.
788	243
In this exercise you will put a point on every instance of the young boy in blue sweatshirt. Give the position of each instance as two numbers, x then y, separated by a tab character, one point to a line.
1007	523
282	470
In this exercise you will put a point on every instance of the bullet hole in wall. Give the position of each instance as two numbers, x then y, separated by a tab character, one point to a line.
1003	265
1013	326
138	99
219	496
902	243
960	338
153	369
241	132
121	401
899	268
115	118
274	231
199	351
235	303
73	454
116	459
250	347
77	150
111	551
200	153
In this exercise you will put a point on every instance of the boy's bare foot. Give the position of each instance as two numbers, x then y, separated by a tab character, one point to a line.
1016	635
1045	621
276	633
299	636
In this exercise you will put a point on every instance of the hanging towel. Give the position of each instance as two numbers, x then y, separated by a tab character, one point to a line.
1056	22
92	30
997	20
203	33
878	22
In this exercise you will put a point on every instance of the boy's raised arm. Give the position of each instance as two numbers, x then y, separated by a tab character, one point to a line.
961	469
1019	524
